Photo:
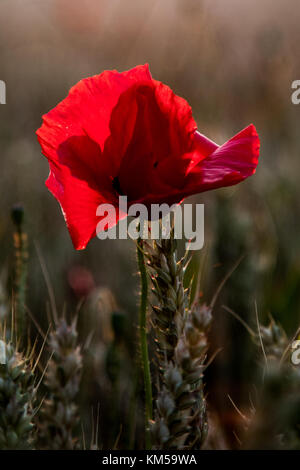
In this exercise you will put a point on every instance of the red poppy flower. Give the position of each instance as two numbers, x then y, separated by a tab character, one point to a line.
125	133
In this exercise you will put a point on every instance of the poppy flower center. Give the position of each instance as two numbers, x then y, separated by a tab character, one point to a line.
117	187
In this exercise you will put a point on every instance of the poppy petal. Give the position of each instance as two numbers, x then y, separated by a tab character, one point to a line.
87	108
72	136
149	125
79	203
229	164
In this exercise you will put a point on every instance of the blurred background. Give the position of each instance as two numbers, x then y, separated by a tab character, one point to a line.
234	62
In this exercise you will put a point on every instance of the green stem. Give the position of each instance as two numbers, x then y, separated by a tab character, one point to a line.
143	341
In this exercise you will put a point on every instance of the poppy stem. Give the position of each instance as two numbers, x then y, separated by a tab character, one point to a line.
143	341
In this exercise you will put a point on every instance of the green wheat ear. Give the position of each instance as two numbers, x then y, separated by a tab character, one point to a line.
16	398
180	331
273	421
58	419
